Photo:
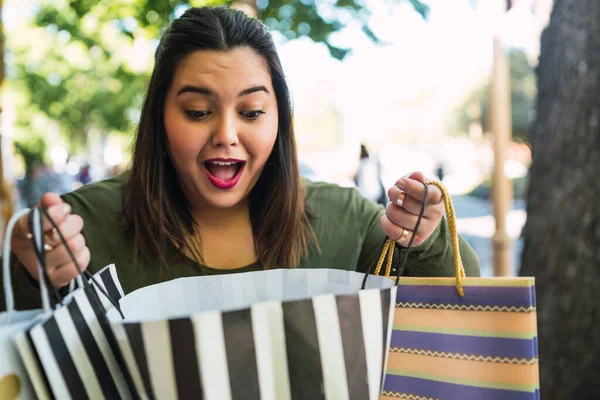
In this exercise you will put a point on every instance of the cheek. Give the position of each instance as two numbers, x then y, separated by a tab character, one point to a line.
184	143
183	150
262	144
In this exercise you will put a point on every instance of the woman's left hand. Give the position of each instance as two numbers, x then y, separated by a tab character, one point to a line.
401	214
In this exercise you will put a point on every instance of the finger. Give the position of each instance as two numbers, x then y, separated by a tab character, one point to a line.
413	206
71	226
63	274
57	209
21	230
405	219
59	255
417	176
396	195
416	190
50	199
396	232
58	213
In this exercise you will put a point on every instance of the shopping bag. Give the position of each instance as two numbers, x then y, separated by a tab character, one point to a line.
69	352
278	334
462	338
14	381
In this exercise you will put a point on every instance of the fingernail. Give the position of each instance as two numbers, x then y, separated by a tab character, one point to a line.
65	209
47	247
59	211
401	183
29	236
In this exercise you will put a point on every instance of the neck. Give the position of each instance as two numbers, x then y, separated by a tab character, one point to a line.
218	229
208	217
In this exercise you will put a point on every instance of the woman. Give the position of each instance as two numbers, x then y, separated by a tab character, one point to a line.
215	186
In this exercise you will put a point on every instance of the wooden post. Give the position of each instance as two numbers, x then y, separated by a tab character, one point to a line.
501	121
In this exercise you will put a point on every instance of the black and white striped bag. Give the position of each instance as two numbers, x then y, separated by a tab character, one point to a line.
69	352
279	334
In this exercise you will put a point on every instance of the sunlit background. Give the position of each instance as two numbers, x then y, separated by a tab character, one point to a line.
413	87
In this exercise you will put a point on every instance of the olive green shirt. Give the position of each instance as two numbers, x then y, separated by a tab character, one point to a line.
346	226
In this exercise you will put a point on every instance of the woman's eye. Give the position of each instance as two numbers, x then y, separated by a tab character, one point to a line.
195	115
252	115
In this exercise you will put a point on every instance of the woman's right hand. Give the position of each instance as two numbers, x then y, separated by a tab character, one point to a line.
60	266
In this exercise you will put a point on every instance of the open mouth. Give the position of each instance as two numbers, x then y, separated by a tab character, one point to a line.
224	173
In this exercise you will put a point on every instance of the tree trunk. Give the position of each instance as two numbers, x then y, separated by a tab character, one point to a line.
562	234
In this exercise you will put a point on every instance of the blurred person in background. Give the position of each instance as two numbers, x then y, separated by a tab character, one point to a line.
368	177
35	183
439	171
84	175
215	184
115	170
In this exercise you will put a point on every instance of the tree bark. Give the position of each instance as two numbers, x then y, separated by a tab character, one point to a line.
562	233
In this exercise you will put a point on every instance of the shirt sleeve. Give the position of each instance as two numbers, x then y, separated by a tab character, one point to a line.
435	257
432	258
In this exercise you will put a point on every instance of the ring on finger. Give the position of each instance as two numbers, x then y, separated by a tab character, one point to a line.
404	236
400	200
23	232
52	237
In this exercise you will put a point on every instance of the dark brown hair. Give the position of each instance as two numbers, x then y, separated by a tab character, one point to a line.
156	210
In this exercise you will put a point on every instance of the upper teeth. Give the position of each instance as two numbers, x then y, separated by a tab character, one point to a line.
222	163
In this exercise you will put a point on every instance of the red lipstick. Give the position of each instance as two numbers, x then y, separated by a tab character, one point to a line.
226	166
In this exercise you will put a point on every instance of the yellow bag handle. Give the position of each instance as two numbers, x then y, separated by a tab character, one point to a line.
459	270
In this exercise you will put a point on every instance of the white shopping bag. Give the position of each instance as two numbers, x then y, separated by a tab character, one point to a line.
14	380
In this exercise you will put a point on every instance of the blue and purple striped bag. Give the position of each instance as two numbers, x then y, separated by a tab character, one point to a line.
462	338
482	345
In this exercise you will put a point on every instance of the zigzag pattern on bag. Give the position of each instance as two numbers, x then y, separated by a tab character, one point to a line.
471	282
436	379
406	396
466	307
470	357
465	332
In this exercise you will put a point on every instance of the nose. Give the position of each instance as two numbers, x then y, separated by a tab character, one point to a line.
225	133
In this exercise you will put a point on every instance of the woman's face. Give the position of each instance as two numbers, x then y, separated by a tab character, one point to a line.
221	123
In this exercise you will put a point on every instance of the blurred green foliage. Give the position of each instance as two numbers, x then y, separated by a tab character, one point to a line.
520	186
522	93
32	148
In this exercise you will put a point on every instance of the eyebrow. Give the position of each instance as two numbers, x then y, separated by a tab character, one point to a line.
207	92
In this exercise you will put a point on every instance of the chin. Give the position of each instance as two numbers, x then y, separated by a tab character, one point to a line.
218	198
222	202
